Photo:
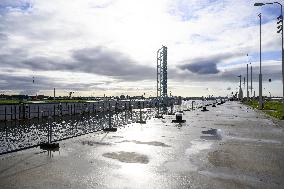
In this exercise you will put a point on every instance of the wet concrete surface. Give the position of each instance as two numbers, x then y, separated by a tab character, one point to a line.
225	147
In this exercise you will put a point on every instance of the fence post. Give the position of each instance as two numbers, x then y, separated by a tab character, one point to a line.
125	109
19	111
15	111
5	113
11	112
29	112
24	111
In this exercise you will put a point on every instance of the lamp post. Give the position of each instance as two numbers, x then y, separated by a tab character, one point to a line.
260	74
247	85
280	29
240	90
250	79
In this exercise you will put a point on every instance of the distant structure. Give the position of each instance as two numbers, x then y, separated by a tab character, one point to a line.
240	91
162	78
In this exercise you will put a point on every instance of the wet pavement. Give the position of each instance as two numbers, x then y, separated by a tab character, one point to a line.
230	146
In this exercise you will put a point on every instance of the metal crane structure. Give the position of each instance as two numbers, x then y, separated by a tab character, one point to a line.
162	79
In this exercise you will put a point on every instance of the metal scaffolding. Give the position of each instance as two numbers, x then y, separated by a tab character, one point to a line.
162	79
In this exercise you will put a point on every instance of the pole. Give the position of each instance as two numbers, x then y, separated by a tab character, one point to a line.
53	93
251	80
240	81
260	74
282	62
247	85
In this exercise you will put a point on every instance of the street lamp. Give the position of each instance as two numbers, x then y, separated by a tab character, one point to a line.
240	91
260	74
250	79
280	29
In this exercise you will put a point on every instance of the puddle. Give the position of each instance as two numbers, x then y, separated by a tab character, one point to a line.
221	158
117	136
92	143
128	157
152	143
212	134
197	146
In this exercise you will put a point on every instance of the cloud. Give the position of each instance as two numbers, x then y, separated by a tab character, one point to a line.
269	71
101	61
96	60
25	84
115	41
201	68
206	65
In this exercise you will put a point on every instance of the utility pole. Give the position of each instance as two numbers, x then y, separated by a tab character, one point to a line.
247	85
250	79
240	91
280	29
53	93
260	74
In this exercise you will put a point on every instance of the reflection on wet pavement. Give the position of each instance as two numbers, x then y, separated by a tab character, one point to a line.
127	157
153	143
204	153
92	143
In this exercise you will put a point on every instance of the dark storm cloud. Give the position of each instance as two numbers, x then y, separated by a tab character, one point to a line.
229	75
26	84
98	60
206	65
14	82
268	72
201	68
102	61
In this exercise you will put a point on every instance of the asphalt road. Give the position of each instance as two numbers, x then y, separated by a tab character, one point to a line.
230	146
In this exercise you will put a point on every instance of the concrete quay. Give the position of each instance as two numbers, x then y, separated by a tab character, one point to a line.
229	146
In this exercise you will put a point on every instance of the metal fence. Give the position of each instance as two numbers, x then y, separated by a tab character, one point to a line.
41	110
28	125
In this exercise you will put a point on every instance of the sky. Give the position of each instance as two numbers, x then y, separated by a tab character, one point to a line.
97	47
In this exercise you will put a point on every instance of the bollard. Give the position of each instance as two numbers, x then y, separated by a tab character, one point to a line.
204	109
178	119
